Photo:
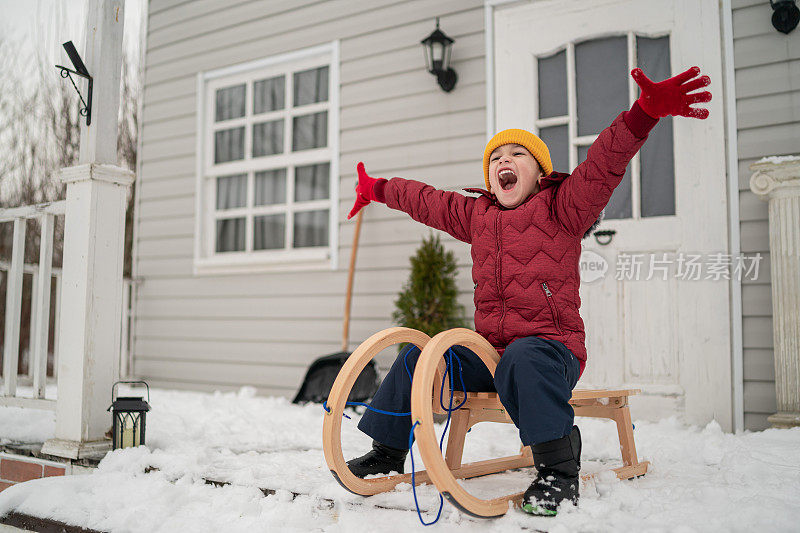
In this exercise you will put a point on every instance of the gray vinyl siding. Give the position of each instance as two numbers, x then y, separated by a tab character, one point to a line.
262	330
767	65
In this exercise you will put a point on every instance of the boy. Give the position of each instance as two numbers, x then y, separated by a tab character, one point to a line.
525	234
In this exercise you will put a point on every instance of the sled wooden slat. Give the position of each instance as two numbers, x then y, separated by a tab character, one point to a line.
443	471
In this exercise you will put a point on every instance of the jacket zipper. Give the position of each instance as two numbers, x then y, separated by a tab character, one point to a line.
553	308
499	272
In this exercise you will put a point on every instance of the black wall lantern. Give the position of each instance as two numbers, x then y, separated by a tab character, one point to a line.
129	414
437	47
80	70
785	15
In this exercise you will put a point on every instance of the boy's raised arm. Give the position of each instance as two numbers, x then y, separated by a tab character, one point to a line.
583	195
444	210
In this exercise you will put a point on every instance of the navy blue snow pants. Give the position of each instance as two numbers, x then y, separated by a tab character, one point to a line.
534	380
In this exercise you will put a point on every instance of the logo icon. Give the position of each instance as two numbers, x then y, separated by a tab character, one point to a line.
593	266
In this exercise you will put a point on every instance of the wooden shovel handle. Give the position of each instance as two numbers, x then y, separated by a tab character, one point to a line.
348	298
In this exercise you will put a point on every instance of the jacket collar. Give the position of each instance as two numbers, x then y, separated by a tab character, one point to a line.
480	191
552	179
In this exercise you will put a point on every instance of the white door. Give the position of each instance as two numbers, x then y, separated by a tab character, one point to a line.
562	69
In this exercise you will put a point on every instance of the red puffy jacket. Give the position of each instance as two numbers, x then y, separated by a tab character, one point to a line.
525	259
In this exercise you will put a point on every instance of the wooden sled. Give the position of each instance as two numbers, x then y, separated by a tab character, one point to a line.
479	407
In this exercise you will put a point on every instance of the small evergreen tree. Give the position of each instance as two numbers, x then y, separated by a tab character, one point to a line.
428	301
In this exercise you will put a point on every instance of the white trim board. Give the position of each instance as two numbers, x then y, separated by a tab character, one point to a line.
269	61
734	222
488	21
137	200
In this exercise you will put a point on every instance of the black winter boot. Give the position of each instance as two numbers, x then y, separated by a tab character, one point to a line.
558	463
381	459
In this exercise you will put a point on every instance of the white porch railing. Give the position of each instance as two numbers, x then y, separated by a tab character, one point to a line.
38	353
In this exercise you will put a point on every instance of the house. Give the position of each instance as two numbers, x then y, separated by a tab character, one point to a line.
256	112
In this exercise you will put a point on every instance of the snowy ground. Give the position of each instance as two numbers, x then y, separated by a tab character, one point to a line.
701	479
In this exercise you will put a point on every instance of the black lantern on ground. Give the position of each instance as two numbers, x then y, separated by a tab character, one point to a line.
437	47
129	414
785	15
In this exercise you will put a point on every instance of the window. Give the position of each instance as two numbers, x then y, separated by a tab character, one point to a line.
267	180
598	70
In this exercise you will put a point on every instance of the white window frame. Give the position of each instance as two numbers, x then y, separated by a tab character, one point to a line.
571	118
206	259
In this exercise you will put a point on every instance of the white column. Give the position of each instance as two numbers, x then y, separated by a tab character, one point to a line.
103	58
778	182
91	298
91	307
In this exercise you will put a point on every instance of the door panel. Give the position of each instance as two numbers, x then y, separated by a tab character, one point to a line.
650	334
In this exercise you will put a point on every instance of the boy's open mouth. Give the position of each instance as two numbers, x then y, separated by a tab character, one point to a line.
507	179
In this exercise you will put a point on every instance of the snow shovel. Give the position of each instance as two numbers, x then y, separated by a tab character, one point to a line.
321	374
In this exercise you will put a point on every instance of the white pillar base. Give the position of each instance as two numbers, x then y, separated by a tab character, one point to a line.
784	420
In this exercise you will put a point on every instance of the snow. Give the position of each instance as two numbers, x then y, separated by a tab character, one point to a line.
18	425
700	478
778	159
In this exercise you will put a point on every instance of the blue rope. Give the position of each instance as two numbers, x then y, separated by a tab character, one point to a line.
381	411
368	406
408	371
414	482
450	355
449	409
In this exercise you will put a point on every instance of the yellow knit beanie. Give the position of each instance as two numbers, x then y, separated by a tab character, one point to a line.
534	144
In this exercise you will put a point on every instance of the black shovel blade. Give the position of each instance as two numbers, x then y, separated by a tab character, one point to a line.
322	373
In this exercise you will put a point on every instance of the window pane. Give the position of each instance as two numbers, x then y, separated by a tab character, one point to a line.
553	85
657	162
229	145
653	58
310	131
268	138
232	191
269	232
270	187
311	182
230	103
658	171
311	86
601	72
619	206
555	137
311	228
269	95
230	235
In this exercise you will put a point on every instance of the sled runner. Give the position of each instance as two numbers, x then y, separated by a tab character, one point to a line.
443	471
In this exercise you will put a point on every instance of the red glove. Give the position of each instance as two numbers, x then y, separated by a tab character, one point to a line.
367	190
669	97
